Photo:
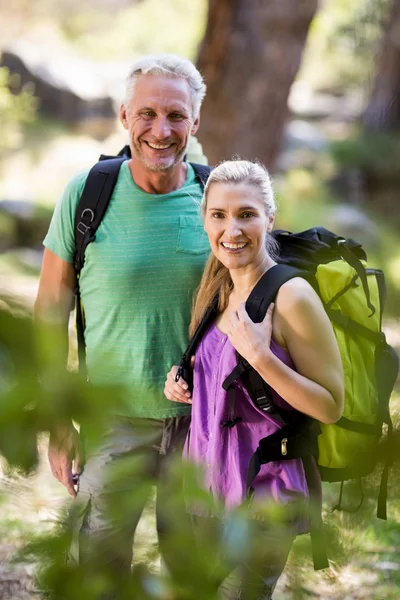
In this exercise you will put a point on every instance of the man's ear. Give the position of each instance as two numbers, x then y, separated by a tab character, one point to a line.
195	126
122	116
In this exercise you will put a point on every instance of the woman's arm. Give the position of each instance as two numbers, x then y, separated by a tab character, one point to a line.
301	324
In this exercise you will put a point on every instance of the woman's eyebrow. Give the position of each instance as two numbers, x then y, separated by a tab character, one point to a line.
239	209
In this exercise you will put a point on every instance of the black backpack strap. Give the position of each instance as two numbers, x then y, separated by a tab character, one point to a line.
202	173
318	544
93	204
185	370
381	511
291	441
266	289
288	443
346	251
263	293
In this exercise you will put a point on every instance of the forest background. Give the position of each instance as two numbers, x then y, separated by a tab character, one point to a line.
312	90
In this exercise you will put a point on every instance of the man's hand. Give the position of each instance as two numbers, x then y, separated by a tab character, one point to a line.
65	449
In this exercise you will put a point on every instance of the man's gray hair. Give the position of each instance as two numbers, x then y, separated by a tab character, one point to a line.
168	65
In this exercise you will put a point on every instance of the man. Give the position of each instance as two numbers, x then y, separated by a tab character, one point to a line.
136	287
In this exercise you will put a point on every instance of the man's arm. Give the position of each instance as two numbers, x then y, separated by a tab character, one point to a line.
55	294
53	305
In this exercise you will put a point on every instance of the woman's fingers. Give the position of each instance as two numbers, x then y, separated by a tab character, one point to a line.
242	313
269	313
176	391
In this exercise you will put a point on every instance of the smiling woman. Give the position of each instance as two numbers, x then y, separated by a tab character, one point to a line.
293	349
237	225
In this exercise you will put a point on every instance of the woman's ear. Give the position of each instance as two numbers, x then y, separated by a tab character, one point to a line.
271	221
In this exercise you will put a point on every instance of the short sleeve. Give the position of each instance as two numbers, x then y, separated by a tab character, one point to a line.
60	237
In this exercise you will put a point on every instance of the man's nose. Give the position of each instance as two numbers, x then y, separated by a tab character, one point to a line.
161	128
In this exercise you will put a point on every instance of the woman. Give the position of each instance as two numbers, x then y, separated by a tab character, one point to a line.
293	349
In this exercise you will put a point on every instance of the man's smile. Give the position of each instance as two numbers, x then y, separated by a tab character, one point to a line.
154	146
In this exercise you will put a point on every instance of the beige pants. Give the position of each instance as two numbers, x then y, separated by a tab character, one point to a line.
115	485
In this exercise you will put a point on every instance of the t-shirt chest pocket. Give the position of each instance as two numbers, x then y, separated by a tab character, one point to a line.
192	239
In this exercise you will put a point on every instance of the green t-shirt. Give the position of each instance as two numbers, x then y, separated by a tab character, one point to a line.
137	285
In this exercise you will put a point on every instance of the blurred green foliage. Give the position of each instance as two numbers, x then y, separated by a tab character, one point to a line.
342	44
15	110
377	155
36	392
176	26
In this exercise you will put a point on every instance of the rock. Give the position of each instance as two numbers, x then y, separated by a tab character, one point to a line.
22	224
351	222
68	89
301	134
307	103
22	209
302	143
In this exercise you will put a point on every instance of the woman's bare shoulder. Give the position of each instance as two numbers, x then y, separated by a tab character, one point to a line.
296	292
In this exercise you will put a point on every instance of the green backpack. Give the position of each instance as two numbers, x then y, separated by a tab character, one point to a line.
354	297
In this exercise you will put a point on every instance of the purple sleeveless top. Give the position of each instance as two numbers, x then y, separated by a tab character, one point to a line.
225	452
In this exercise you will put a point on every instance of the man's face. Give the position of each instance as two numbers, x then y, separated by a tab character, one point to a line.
159	120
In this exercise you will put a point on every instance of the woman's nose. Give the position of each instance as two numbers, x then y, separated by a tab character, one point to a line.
233	228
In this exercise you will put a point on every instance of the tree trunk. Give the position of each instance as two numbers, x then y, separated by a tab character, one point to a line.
249	58
383	111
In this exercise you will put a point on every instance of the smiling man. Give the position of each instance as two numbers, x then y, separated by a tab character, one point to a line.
136	287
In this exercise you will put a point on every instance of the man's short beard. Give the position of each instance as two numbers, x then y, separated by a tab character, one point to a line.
160	168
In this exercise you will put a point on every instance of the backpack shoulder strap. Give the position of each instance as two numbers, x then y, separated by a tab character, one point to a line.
202	173
261	296
93	204
266	289
185	369
257	304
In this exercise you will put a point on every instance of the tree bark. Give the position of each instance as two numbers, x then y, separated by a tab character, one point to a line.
249	57
383	111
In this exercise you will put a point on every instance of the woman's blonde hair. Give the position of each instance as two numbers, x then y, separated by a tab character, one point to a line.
216	280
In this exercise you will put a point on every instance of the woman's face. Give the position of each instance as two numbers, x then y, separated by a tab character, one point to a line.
237	225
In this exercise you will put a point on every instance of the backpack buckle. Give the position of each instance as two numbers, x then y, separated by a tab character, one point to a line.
82	227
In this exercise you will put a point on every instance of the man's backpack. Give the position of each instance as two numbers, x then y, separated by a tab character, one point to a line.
91	209
354	297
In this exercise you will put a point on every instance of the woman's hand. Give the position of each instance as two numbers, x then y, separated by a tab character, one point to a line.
177	391
251	340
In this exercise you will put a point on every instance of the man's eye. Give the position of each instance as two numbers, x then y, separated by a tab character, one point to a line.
176	117
148	114
247	215
218	215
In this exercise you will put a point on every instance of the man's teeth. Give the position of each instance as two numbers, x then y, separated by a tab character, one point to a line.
159	146
233	246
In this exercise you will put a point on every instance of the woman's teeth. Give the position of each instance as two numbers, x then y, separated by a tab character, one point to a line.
238	246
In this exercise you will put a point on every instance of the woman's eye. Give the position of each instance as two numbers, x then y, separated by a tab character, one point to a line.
247	215
218	215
